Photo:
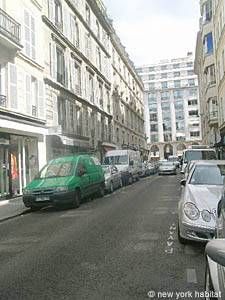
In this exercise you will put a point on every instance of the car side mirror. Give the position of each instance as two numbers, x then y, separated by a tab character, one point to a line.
183	182
131	163
219	208
215	250
81	172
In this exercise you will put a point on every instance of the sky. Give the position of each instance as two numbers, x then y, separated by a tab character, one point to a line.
152	30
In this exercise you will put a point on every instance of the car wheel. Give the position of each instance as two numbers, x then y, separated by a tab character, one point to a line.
180	239
208	284
111	188
101	191
130	180
137	178
35	208
76	201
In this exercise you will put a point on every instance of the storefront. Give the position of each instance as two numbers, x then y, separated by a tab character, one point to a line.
18	163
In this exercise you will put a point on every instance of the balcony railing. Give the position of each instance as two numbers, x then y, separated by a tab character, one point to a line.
213	115
9	27
3	101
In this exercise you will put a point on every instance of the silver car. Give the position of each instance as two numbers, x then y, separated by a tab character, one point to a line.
167	167
198	205
113	178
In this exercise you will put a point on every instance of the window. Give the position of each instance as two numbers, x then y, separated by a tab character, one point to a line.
191	82
98	58
165	105
176	74
90	88
74	31
34	96
100	95
177	83
88	15
167	137
76	77
88	45
194	133
164	75
58	14
190	72
207	11
166	125
210	74
29	34
165	95
193	113
189	65
152	97
164	85
154	127
193	102
151	77
98	29
179	115
208	43
151	86
179	105
178	94
151	69
60	63
154	138
176	66
193	92
164	67
153	117
180	125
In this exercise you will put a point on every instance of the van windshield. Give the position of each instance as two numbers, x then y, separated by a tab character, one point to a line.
199	155
57	170
116	160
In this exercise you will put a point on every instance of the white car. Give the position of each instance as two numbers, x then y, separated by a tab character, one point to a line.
198	205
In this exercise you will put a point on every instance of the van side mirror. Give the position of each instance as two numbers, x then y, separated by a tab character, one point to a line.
183	182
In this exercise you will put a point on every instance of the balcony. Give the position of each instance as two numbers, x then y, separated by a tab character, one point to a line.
9	32
213	117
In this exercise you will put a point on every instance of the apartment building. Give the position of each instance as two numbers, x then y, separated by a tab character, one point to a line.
22	107
205	68
171	106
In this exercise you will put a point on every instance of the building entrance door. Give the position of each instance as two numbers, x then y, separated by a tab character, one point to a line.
4	172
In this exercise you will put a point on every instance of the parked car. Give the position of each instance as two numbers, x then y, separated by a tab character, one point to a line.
128	162
166	168
215	254
112	178
65	180
143	170
197	153
175	160
188	168
152	168
200	195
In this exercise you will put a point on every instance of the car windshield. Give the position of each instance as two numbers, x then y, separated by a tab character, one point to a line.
199	155
116	160
167	163
208	175
57	170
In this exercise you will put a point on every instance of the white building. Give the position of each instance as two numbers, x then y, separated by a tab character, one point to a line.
22	112
171	106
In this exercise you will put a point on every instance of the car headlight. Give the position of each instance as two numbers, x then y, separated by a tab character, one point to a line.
61	189
191	211
27	192
206	215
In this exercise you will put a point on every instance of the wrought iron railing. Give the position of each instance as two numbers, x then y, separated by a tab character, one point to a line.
3	101
9	27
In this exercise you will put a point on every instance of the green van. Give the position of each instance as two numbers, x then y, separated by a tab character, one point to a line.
65	180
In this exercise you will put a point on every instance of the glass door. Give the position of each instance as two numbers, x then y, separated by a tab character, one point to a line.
4	172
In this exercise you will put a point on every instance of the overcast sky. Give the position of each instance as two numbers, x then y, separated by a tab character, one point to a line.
155	29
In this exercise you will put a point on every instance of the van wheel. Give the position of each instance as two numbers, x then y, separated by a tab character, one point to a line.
130	180
101	191
35	208
76	201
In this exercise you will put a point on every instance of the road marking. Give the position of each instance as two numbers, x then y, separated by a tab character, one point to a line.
78	213
191	276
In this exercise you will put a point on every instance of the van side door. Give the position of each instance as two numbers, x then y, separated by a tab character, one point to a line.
84	177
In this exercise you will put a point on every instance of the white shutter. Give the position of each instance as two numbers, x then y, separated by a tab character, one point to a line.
72	29
32	27
13	85
53	59
28	94
66	69
72	74
66	19
51	12
41	104
27	34
21	90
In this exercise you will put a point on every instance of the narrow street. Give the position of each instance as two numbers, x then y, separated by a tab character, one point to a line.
118	247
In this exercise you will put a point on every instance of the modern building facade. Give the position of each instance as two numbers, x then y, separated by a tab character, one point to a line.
67	85
171	106
205	68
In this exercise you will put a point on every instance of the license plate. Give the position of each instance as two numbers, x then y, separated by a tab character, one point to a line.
44	198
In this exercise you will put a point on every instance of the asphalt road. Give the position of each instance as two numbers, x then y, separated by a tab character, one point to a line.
119	247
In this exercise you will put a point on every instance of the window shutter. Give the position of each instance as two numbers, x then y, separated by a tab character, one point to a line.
53	59
33	53
27	33
41	104
66	26
66	69
55	109
28	94
13	85
51	13
72	29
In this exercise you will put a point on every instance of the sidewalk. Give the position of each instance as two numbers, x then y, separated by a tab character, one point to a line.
11	208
